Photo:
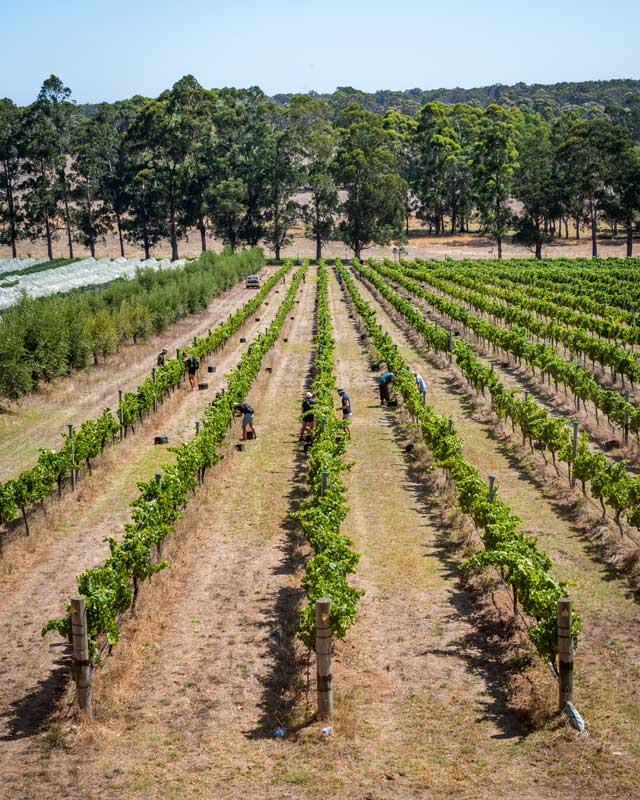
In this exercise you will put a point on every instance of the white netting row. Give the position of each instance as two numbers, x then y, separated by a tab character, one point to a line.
11	264
87	272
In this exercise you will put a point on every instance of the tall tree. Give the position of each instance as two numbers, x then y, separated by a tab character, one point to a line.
311	118
92	216
590	149
367	166
109	128
9	174
533	182
438	146
54	103
494	164
625	184
403	129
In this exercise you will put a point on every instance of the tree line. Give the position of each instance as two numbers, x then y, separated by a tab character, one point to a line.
232	164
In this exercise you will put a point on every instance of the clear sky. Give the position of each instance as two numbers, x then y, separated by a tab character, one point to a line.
116	48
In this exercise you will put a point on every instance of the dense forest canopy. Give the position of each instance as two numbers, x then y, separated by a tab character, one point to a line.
240	166
549	100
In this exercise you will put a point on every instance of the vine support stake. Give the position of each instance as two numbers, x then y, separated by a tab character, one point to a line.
158	477
73	456
450	425
120	394
575	424
492	488
81	662
565	653
324	669
627	419
526	395
197	427
325	482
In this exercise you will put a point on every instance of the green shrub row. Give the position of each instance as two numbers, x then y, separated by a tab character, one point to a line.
43	339
322	514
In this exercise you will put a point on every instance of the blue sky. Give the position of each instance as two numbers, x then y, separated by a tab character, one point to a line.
114	49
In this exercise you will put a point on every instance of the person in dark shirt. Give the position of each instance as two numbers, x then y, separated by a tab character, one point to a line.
383	384
346	410
246	411
192	365
161	357
308	416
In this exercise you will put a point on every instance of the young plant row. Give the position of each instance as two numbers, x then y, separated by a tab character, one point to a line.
516	342
111	589
567	289
52	467
42	339
480	281
522	564
607	354
322	514
611	483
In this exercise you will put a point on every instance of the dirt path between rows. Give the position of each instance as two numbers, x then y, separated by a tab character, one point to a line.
420	683
38	420
609	642
38	573
186	705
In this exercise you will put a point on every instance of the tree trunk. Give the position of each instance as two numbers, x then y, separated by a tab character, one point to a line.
277	252
67	214
629	227
539	248
11	210
594	231
318	247
120	239
47	228
174	235
92	241
203	235
357	249
145	242
577	227
566	227
499	243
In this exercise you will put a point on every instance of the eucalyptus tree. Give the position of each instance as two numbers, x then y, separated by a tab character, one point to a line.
10	216
494	162
534	183
367	167
311	119
589	150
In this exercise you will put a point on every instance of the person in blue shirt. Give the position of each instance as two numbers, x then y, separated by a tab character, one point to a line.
346	410
422	386
383	384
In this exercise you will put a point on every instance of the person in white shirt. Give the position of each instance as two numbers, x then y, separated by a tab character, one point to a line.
422	386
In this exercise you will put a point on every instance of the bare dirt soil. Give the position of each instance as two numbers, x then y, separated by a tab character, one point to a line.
420	245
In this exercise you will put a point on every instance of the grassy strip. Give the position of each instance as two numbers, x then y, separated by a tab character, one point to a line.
323	513
111	589
515	554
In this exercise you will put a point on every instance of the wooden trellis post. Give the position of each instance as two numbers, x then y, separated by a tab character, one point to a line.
324	668
81	663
